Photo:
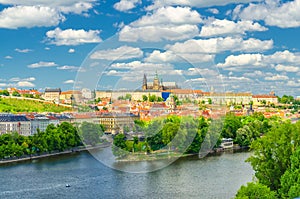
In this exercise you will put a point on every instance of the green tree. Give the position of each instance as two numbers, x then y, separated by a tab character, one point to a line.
255	191
209	101
195	146
5	93
152	98
16	94
290	180
231	124
271	153
90	133
119	146
145	98
128	97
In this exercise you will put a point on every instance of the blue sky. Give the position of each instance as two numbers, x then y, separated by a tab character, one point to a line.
225	45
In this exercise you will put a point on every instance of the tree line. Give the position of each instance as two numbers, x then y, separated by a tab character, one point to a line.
55	138
276	162
187	134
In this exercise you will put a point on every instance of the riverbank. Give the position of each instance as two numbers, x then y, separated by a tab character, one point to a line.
70	151
164	154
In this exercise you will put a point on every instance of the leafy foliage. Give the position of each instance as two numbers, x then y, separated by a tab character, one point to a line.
255	191
59	138
91	133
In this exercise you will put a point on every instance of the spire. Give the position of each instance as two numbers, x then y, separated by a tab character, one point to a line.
156	75
144	87
145	79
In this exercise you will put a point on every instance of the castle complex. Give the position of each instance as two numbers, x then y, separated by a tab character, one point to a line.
157	85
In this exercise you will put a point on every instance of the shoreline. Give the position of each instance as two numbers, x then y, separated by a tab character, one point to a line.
165	155
70	151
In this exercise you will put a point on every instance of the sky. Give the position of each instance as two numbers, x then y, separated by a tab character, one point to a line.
220	45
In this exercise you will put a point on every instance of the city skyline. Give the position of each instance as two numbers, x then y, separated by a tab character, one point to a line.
240	46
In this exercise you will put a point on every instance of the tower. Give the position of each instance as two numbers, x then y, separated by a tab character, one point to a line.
156	85
144	87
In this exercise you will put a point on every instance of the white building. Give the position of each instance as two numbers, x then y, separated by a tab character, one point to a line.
14	123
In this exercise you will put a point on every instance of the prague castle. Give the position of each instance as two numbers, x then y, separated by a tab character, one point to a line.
157	85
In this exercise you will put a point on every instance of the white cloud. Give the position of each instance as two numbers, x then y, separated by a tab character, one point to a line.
277	77
293	84
126	5
71	50
25	84
213	11
8	57
254	74
29	16
169	15
72	68
243	60
166	23
66	6
73	37
26	50
196	3
158	33
168	56
219	27
70	81
42	64
260	60
121	53
18	79
138	65
77	8
274	13
220	44
287	68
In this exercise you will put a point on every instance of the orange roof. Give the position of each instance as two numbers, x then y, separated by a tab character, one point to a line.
264	96
184	91
70	92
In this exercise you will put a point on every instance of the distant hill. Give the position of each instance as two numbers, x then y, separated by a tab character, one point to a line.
14	105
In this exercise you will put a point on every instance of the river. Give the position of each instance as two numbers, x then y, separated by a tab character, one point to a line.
218	176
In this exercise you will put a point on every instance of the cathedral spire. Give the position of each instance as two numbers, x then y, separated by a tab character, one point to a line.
144	87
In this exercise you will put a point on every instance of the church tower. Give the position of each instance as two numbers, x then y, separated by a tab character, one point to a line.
156	85
144	87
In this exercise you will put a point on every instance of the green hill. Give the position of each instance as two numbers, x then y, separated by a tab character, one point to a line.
10	105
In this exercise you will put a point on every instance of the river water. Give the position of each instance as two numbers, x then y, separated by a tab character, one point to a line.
218	176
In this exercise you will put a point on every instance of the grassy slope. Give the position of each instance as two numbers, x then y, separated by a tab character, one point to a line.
18	105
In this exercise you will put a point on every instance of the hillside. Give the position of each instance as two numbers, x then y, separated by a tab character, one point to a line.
13	105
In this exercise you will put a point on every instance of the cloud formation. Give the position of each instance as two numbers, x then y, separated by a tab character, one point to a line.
70	37
126	5
29	16
226	27
121	53
166	23
42	64
273	13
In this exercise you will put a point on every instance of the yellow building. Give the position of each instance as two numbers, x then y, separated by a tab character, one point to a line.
52	95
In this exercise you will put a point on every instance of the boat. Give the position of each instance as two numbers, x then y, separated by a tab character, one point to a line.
227	143
67	185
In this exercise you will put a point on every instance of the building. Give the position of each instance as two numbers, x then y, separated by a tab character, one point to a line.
15	123
265	99
115	123
87	93
52	95
69	97
41	122
184	94
157	85
135	95
227	98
